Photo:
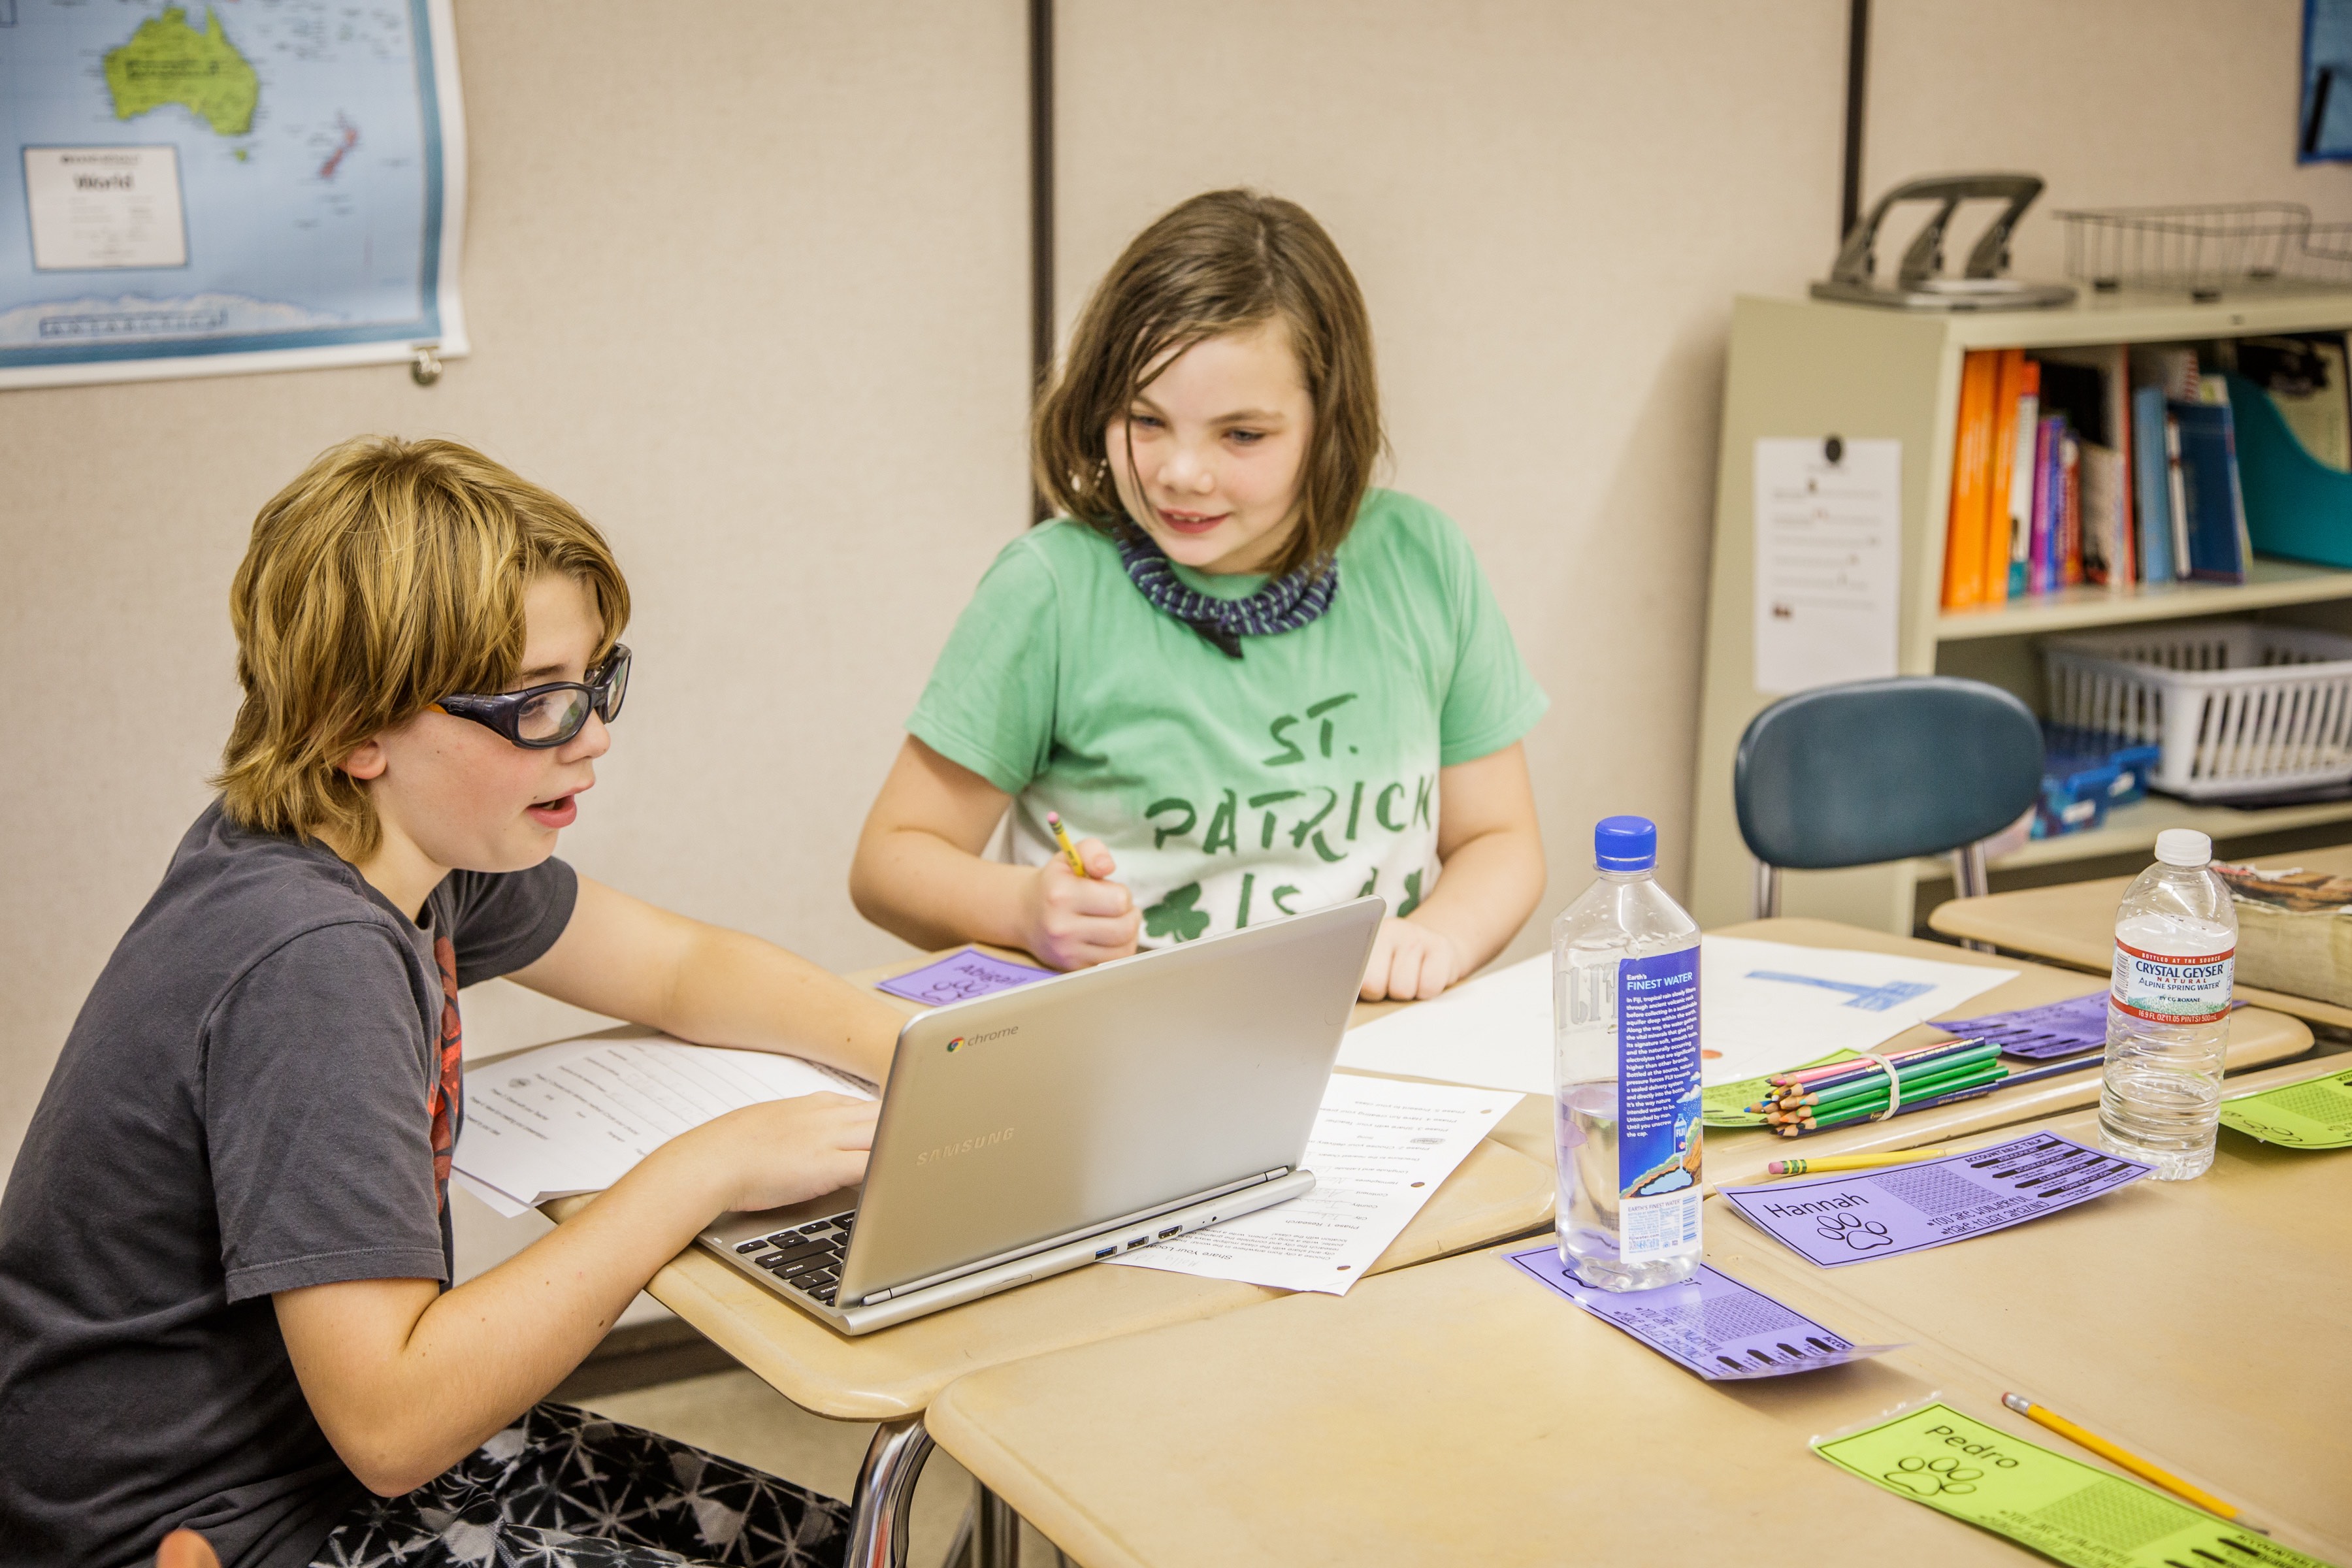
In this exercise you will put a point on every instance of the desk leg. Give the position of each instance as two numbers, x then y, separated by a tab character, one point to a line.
886	1486
996	1542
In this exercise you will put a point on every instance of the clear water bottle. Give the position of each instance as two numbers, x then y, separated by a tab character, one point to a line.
2169	1012
1624	964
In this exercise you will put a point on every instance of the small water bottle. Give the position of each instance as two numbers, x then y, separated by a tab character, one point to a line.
2169	1011
1624	964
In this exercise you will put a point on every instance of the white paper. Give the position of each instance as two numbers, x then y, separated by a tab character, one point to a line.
1379	1152
1764	1007
1767	1006
1828	557
577	1116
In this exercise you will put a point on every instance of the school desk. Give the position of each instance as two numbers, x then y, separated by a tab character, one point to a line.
1454	1412
2075	924
2200	1324
891	1376
2257	1037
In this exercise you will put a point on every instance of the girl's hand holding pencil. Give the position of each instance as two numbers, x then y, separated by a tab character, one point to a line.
1077	916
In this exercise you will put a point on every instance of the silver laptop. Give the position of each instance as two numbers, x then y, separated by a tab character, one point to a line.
1043	1128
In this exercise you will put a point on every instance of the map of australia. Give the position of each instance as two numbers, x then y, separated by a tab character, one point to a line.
185	179
169	61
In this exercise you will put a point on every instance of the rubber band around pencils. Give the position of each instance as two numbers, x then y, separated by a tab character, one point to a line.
1894	1085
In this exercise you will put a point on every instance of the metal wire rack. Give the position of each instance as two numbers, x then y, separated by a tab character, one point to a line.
2207	250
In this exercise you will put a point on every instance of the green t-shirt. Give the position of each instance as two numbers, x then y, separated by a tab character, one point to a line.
1300	775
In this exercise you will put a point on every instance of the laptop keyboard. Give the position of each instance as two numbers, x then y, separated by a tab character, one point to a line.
805	1259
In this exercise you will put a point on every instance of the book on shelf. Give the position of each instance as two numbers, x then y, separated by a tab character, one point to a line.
2212	507
2152	488
2116	465
2026	432
1963	533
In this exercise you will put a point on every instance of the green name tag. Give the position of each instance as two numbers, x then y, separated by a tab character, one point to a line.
2314	1114
2057	1506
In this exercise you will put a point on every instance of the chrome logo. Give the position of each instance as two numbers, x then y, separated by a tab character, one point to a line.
956	1044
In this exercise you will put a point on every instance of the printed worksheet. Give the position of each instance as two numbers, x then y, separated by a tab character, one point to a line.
578	1115
1764	1007
1829	532
1379	1151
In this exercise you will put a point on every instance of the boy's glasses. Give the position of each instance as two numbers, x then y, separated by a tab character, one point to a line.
548	716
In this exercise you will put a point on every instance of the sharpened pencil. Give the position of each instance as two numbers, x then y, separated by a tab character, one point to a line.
1062	837
2042	1416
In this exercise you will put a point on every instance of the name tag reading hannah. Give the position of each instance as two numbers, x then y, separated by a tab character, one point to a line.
1854	1216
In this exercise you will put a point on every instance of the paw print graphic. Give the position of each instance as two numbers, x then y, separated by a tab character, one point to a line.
1934	1477
1861	1235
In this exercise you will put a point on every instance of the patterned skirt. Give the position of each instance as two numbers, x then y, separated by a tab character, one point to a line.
562	1489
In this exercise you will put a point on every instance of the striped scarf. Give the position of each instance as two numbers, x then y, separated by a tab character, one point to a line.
1284	605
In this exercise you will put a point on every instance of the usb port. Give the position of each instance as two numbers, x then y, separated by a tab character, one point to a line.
1172	1230
1140	1241
1107	1251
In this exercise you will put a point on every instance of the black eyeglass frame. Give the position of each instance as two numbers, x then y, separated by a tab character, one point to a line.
606	687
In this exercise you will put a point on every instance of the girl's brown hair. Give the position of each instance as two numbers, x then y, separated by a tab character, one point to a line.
389	574
1221	262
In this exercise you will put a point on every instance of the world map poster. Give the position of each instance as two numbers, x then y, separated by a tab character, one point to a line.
189	189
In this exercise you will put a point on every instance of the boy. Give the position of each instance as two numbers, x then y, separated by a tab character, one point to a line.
224	1247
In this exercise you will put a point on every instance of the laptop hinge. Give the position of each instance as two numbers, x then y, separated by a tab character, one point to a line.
875	1296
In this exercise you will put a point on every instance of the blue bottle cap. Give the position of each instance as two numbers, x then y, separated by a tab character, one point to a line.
1626	844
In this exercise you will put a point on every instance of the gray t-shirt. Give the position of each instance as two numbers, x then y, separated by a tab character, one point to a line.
260	1094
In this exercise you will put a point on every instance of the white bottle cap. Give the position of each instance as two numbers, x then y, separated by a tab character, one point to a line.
2183	847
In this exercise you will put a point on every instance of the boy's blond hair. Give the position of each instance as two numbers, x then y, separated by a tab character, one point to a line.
390	574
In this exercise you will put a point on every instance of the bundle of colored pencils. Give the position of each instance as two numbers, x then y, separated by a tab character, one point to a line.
1832	1096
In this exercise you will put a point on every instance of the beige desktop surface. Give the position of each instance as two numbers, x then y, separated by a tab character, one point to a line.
1455	1412
2074	922
1495	1191
2200	1324
1459	1413
2257	1038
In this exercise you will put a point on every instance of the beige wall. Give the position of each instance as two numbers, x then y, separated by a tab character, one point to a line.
747	281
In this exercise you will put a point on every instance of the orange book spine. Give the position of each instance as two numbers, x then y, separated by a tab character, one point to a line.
2008	379
1964	531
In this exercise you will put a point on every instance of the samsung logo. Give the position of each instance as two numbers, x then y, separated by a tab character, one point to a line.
949	1151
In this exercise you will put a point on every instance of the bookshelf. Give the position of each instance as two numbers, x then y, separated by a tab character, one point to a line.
1810	369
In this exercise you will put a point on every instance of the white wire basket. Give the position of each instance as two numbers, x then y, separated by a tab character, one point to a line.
2240	708
2207	250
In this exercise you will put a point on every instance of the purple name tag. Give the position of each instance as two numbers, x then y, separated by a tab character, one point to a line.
1856	1215
2054	1029
1711	1323
960	976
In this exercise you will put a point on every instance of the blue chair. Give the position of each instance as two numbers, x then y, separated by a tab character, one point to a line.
1883	770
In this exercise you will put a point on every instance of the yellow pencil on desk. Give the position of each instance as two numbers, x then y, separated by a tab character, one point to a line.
2042	1415
1062	837
1851	1161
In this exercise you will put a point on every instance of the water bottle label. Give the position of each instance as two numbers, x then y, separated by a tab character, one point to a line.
1658	1118
2161	988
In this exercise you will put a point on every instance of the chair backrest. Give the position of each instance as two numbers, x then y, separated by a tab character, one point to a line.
1881	770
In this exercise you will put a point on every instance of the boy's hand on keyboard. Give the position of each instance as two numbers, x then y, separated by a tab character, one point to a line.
1410	962
786	1151
1076	922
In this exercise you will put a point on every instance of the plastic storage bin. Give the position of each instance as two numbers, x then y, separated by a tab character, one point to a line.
2296	505
2238	708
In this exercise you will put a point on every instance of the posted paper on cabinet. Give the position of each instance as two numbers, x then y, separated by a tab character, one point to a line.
1828	562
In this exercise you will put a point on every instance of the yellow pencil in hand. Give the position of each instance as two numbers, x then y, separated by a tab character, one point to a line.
1062	837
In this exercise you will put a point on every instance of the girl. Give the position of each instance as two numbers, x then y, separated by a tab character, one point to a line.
1257	685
